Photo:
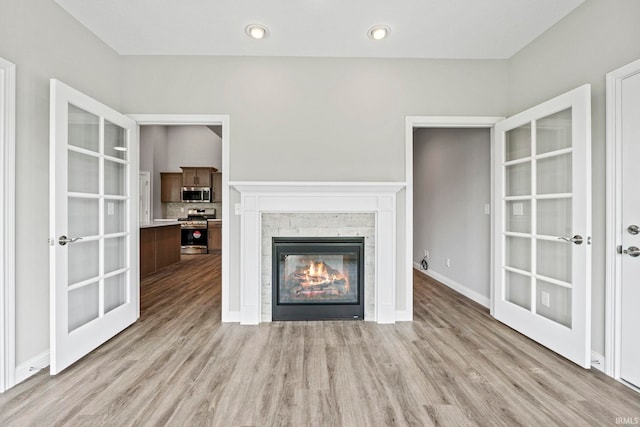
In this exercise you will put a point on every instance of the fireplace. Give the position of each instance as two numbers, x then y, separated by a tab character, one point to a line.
317	278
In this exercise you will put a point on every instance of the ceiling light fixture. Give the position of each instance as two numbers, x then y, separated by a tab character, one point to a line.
257	31
379	32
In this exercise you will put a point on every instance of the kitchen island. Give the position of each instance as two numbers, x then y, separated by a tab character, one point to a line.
159	245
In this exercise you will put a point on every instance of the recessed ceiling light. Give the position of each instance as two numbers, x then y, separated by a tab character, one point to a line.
379	32
257	31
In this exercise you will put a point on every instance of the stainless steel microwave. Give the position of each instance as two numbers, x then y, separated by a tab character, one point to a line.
196	194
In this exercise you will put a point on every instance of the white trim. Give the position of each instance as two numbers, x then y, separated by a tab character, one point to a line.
613	279
7	224
227	212
456	286
32	366
347	197
411	123
597	361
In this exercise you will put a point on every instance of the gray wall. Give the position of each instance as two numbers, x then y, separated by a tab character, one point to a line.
44	42
450	189
315	119
598	37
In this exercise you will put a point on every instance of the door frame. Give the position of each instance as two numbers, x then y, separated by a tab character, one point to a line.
7	224
206	120
613	266
411	123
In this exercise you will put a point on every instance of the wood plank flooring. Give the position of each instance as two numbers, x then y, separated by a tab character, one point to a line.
180	366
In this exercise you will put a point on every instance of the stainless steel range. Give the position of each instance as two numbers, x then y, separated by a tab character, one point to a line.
194	239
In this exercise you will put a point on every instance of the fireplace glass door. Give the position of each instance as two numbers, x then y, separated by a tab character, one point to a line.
318	278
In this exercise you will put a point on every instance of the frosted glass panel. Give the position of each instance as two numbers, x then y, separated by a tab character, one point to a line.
84	129
518	253
115	254
518	289
554	174
518	179
83	217
518	215
83	305
115	178
83	173
518	143
554	217
554	259
115	216
83	261
115	140
554	302
115	292
554	132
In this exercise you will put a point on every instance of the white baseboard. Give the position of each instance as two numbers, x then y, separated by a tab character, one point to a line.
597	361
469	293
31	367
404	316
231	316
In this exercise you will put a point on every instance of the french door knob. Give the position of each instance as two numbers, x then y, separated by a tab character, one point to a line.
633	251
577	239
63	240
633	229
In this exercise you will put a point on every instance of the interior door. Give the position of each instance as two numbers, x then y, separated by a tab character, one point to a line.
93	211
542	224
630	263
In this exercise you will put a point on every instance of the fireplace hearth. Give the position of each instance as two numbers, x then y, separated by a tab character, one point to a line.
318	278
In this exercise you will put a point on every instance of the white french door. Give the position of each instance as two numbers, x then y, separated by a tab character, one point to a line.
93	212
542	263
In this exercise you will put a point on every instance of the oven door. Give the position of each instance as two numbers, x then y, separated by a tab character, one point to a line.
194	240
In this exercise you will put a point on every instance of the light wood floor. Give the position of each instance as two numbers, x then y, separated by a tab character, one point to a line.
178	365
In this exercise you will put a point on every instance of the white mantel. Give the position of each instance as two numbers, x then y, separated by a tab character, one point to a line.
321	197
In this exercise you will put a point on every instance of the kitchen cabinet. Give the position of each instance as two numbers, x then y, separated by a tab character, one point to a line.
159	247
196	177
215	236
170	187
216	186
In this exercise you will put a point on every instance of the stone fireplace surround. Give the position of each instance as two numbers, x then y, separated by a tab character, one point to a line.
304	202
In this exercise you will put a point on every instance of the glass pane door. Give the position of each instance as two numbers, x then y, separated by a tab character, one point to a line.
93	256
542	224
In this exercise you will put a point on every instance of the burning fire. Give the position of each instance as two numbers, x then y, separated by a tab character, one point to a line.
318	273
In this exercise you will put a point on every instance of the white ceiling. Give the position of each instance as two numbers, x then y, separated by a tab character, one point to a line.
329	28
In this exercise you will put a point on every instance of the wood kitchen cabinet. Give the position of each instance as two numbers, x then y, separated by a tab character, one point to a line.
215	236
196	177
216	186
159	247
170	187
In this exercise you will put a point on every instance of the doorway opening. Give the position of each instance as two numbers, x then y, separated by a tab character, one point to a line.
452	207
417	124
217	127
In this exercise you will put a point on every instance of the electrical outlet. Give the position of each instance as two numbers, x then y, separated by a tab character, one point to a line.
518	209
427	254
545	299
448	262
181	210
111	208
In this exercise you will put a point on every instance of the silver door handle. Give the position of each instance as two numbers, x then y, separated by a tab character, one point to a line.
63	240
633	251
577	239
633	229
